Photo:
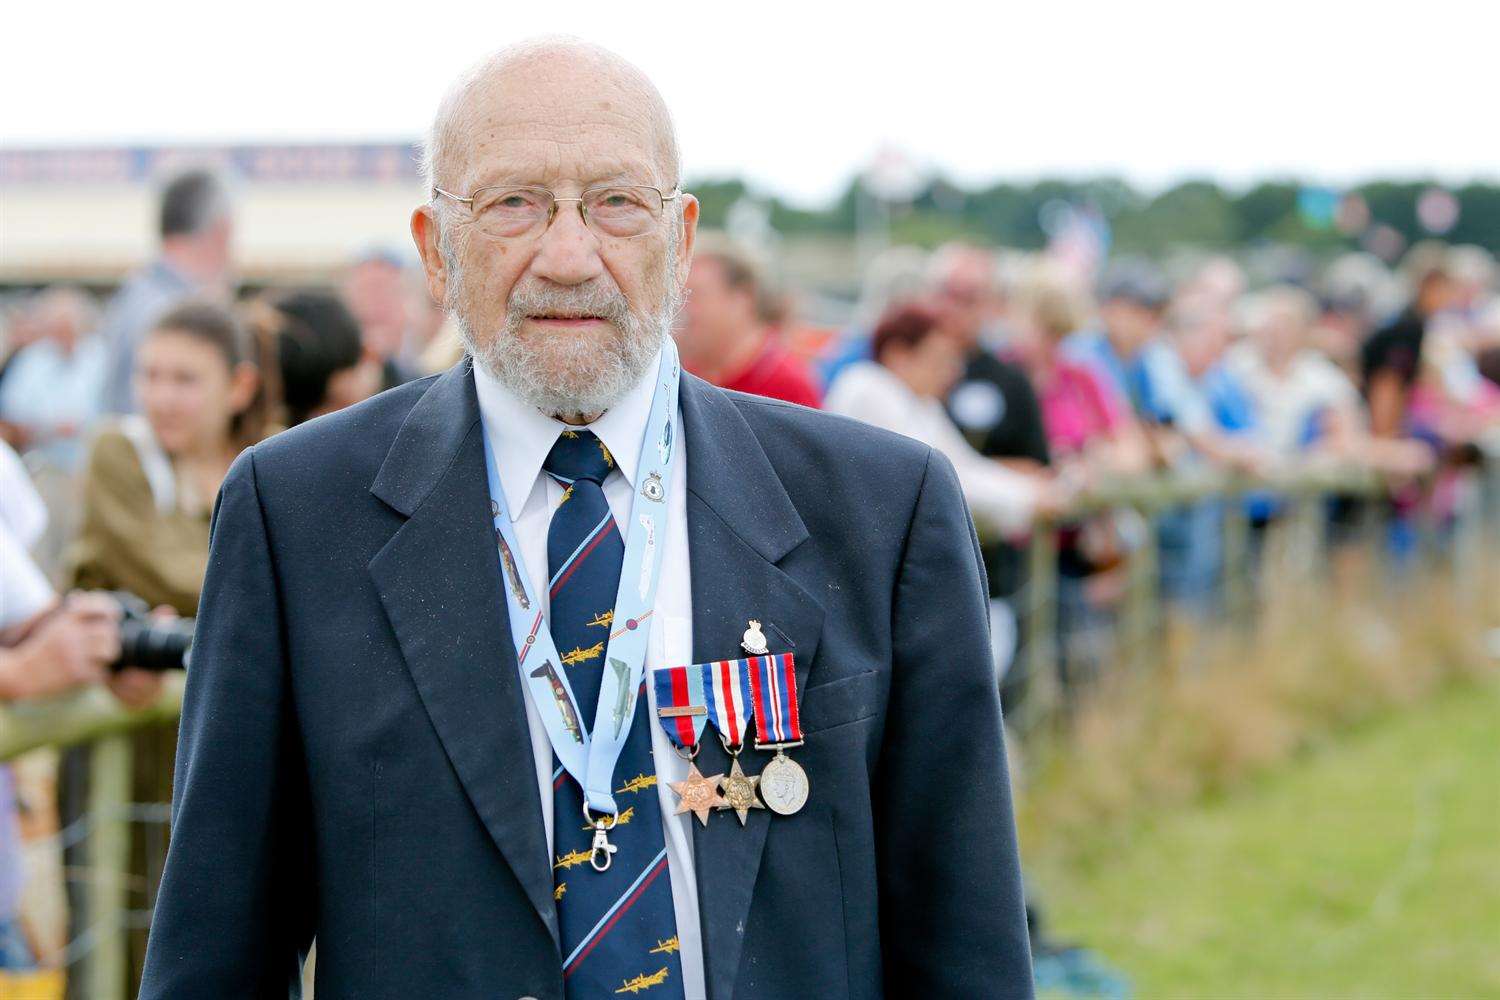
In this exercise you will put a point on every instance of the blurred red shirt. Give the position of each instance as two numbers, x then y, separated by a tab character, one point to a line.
776	373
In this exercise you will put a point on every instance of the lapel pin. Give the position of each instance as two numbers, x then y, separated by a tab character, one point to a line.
754	640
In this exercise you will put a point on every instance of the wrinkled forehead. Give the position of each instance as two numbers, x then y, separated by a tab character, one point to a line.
556	131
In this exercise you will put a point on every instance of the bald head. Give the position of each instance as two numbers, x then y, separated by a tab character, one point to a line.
548	92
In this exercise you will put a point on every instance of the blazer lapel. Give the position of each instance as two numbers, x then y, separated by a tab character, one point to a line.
439	581
741	523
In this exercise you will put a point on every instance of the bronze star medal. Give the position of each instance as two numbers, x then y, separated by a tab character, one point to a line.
698	794
739	792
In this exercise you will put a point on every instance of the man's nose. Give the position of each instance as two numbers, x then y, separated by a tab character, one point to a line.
567	252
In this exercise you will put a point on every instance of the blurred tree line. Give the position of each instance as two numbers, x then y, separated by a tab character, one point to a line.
1196	213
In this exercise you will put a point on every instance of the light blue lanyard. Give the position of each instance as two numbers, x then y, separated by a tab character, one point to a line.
589	755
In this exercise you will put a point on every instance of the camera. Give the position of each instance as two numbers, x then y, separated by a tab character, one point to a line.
148	643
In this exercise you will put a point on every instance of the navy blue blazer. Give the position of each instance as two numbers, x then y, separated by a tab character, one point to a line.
355	765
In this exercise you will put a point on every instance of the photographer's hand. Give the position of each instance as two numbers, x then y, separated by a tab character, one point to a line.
69	646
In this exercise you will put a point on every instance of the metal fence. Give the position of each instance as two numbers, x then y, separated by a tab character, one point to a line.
98	959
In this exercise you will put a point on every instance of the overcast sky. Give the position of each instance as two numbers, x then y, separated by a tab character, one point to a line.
797	97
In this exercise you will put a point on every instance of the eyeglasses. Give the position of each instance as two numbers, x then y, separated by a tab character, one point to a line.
621	212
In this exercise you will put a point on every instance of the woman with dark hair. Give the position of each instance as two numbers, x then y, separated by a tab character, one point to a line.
322	366
152	477
916	363
148	493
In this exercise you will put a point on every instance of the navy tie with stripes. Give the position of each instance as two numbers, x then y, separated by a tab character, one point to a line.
619	931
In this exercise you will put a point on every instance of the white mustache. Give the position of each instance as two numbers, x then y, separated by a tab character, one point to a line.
598	301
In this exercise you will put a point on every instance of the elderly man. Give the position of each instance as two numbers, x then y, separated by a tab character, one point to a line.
470	687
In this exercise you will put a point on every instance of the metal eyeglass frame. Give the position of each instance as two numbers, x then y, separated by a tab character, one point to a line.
552	215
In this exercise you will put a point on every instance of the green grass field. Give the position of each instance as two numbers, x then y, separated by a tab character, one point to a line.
1367	867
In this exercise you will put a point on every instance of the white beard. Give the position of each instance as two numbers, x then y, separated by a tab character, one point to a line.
569	375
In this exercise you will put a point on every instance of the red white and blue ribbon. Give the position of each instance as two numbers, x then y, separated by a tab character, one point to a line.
727	683
773	684
681	703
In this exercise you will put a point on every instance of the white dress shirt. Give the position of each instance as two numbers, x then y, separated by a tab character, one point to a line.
521	436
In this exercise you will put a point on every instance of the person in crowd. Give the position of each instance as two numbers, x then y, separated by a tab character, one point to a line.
1452	404
1091	437
993	404
18	328
1391	358
1202	329
1131	349
916	363
724	336
1090	429
1136	354
148	493
321	365
1475	275
50	394
1355	292
896	274
1487	349
48	646
375	290
1302	401
151	478
196	227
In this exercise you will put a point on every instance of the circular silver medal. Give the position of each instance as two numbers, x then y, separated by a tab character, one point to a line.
783	785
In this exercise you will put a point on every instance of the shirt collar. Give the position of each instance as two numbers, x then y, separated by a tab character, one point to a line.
521	435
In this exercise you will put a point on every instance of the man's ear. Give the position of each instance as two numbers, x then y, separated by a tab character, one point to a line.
424	232
689	236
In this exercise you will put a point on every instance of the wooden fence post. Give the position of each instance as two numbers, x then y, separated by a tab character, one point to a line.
108	856
1043	685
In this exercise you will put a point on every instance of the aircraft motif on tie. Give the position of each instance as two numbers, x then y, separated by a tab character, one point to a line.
609	459
579	655
665	947
604	618
644	982
567	495
637	784
557	893
623	818
572	859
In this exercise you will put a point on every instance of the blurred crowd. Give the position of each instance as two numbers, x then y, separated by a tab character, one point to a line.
1040	379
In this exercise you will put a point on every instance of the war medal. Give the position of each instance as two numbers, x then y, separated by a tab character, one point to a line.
773	682
682	713
698	794
727	684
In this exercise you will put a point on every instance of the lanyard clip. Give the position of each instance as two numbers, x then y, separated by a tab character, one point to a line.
601	852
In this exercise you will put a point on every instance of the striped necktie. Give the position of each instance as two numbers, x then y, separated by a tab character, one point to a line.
619	930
